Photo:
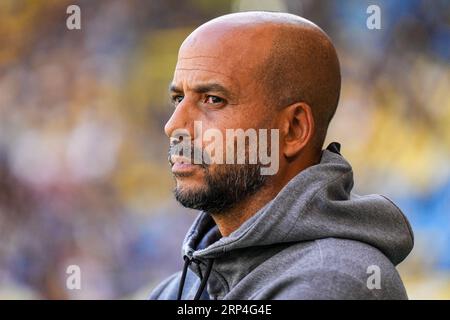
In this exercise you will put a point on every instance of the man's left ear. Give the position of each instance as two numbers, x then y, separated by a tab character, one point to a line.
298	128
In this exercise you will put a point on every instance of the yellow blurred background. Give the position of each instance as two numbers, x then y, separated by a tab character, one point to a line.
83	172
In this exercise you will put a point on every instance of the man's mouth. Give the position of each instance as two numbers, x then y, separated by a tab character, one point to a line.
182	166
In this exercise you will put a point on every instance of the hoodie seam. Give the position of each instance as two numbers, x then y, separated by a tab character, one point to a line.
308	203
223	281
357	280
223	247
320	253
193	232
408	226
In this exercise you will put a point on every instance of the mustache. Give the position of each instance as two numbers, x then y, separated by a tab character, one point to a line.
179	149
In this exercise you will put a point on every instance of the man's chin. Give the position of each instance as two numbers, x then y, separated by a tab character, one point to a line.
189	196
190	183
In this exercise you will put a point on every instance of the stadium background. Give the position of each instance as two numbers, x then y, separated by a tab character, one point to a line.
83	172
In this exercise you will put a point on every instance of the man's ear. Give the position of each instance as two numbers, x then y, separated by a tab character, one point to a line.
298	128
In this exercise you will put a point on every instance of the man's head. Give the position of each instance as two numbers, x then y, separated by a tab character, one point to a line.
252	70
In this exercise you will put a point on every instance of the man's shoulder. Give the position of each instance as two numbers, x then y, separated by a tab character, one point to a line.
333	252
167	289
333	268
349	253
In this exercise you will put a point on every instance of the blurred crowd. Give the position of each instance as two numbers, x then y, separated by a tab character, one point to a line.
83	158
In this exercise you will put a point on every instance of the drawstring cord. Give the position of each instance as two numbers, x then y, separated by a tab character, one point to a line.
187	262
203	282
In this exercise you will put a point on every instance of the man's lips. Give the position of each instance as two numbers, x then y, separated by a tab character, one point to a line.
181	165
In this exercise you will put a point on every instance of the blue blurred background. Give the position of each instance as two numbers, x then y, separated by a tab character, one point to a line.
83	173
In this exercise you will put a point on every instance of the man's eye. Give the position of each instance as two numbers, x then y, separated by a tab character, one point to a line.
177	99
213	99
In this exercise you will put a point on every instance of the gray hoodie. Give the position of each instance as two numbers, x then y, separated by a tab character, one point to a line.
315	240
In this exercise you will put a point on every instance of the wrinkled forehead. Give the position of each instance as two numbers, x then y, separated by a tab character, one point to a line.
200	69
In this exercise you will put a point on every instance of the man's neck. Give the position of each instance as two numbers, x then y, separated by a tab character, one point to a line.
232	219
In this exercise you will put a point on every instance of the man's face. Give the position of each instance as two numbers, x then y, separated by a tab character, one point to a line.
214	85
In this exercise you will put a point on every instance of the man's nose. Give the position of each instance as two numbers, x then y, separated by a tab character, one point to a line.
180	120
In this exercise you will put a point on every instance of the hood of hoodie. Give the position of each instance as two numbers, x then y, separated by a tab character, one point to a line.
317	203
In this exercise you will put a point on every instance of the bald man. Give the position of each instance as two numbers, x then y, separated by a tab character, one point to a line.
297	233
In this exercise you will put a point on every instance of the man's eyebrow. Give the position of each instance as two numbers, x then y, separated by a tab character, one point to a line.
204	88
174	88
211	87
